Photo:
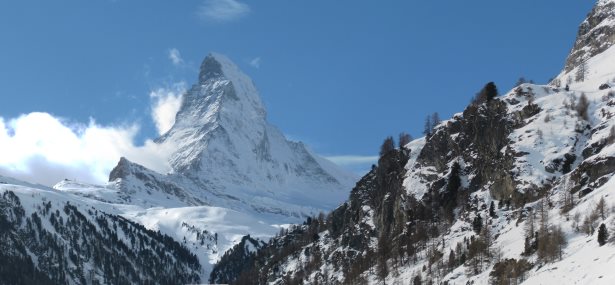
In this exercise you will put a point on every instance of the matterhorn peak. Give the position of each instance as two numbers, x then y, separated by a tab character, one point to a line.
225	152
211	68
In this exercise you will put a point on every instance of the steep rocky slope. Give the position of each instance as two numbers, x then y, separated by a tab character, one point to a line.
507	191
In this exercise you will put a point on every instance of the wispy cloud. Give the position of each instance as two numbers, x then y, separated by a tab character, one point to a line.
176	57
352	160
256	62
222	10
165	105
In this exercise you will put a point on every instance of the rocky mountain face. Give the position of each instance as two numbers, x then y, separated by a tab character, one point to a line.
455	207
226	154
596	34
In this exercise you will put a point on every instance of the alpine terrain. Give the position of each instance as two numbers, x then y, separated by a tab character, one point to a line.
516	189
233	174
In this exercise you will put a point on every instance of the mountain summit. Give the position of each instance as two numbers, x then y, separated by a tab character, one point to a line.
225	153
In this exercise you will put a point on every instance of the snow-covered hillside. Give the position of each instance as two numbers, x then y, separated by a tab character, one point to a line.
204	230
512	190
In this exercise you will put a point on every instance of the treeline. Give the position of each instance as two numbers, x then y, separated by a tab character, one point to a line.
97	249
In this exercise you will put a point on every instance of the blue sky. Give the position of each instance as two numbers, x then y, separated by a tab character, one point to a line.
338	75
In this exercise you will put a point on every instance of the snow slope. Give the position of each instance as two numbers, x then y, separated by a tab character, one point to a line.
206	231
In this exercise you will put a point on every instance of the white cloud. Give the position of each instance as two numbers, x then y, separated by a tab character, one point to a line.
175	57
40	148
222	10
351	160
165	105
256	62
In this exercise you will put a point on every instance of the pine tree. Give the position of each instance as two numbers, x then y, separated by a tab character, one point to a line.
520	81
603	235
477	224
491	91
582	107
417	279
428	126
435	120
492	210
452	262
387	146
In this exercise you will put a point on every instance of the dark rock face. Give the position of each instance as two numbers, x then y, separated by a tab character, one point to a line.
379	197
477	138
592	174
128	171
121	170
593	38
210	68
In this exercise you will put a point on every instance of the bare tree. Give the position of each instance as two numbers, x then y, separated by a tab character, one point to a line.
404	139
581	73
601	208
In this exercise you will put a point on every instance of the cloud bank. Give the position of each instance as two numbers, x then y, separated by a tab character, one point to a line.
40	148
222	10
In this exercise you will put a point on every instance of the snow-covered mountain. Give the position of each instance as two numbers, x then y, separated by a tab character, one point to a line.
49	237
226	154
233	174
512	190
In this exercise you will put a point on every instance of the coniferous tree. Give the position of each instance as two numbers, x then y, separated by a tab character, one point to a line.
417	280
387	146
452	262
435	120
603	235
486	94
428	126
520	81
582	107
477	224
491	91
492	210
